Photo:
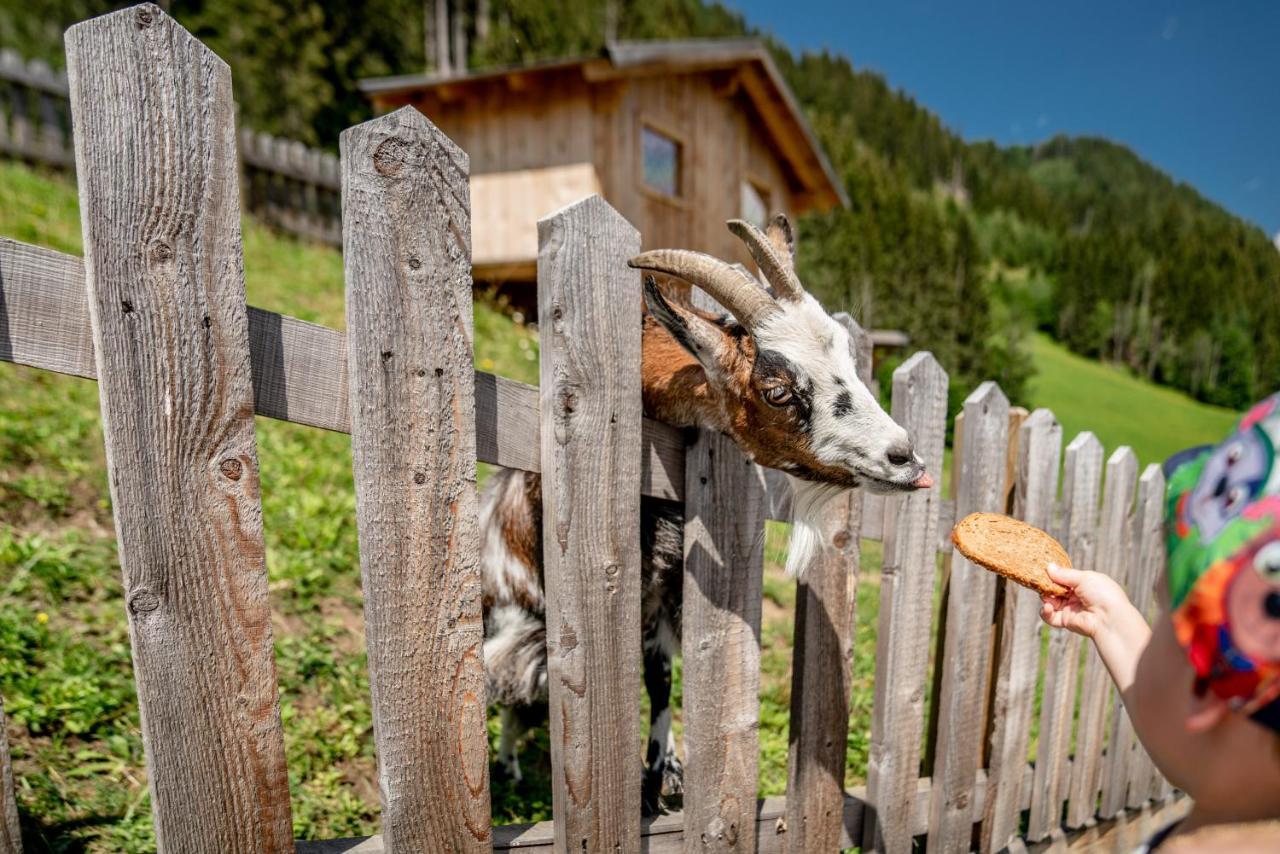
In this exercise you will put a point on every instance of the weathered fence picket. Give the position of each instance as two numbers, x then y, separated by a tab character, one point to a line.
822	661
968	626
408	269
165	279
1082	473
590	382
157	314
1110	558
1148	563
902	641
1040	447
10	833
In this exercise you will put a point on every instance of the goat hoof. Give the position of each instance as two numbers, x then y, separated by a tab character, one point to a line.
672	777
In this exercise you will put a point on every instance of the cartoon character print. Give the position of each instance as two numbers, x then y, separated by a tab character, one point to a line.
1230	622
1234	475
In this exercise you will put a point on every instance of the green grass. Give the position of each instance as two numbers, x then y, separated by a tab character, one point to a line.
1120	408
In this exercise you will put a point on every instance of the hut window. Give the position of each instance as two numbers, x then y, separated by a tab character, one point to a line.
755	204
661	161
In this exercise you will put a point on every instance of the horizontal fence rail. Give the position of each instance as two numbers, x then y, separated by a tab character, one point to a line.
158	317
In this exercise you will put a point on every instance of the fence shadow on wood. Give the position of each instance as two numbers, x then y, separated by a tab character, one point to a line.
158	317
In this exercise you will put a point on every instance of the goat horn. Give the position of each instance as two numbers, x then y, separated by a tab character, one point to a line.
780	275
733	289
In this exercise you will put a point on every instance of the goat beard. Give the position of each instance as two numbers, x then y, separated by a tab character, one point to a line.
809	501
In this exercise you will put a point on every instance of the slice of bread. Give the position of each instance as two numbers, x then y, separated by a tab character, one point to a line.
1012	548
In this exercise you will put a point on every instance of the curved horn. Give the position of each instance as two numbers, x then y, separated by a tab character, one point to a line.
779	274
733	289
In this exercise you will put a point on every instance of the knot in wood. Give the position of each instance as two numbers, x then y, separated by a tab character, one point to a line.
393	154
841	539
145	16
161	252
143	602
419	478
414	264
231	468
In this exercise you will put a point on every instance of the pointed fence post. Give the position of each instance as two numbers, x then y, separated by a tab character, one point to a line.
160	211
822	663
968	629
1082	472
407	253
589	306
1086	770
1039	450
902	643
1149	552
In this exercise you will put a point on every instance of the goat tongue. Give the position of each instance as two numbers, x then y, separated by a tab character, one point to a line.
924	481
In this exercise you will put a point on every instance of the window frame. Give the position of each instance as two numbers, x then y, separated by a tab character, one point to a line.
680	199
763	192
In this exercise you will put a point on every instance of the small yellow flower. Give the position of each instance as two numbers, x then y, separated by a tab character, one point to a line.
486	364
42	618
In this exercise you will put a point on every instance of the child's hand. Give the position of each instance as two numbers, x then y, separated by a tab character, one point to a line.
1089	605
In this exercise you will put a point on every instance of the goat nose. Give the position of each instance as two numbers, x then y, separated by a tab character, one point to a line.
900	455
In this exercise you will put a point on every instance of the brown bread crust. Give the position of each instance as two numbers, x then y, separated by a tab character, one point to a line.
1012	548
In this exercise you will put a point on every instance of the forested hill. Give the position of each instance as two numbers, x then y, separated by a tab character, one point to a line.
965	245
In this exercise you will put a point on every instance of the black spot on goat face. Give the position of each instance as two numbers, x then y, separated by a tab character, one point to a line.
782	386
842	405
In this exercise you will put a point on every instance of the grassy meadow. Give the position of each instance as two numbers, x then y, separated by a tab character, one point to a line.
64	654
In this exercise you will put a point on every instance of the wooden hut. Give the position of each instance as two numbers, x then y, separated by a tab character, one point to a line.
679	136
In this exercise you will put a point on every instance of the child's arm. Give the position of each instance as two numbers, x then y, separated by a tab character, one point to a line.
1098	608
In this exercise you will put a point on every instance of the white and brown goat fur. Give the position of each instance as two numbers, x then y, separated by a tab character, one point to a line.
779	377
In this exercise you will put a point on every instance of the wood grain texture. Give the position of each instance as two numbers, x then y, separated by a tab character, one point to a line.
299	368
589	302
1082	473
822	661
1122	564
408	269
723	580
1018	658
1095	686
906	588
10	832
1149	549
155	156
968	626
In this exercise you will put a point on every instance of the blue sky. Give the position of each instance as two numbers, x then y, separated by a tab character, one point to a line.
1192	87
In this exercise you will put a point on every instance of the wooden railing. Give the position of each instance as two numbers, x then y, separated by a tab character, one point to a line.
158	317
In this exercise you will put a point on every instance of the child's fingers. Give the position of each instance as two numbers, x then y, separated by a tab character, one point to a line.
1066	576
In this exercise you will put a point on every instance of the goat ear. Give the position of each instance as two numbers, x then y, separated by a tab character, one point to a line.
705	340
783	239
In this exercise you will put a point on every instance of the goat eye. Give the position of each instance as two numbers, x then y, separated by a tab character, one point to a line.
777	395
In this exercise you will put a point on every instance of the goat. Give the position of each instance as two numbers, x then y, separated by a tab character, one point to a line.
782	382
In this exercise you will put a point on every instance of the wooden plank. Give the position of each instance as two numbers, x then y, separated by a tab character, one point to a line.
1039	452
587	299
1087	776
1082	472
1148	568
10	831
408	272
968	625
1123	566
159	205
821	671
299	368
723	579
664	835
902	641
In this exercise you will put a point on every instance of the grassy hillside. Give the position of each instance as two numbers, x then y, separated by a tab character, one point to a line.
1119	408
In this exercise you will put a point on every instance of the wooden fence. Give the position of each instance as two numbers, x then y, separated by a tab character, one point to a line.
284	183
156	314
